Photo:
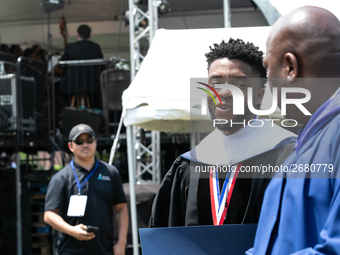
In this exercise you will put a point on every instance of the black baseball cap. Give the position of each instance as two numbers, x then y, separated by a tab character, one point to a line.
80	129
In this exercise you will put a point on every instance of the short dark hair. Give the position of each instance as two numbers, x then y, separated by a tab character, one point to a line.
28	52
238	49
84	31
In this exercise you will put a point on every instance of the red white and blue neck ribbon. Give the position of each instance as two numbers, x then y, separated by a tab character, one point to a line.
220	202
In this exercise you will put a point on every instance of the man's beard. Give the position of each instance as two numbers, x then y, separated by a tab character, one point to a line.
238	119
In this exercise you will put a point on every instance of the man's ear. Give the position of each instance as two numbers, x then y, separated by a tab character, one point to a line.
69	144
292	66
259	96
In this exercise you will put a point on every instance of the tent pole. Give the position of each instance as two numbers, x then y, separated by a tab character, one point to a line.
156	147
226	13
133	43
132	181
115	141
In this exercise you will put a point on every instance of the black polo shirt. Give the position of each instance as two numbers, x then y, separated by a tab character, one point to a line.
103	189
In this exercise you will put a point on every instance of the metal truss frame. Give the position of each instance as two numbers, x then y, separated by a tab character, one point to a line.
146	157
136	17
137	150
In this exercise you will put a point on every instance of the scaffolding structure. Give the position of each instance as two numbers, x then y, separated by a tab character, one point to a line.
142	158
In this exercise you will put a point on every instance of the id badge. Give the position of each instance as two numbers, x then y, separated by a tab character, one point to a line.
77	206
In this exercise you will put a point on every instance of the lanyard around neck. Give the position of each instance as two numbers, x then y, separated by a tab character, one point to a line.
88	177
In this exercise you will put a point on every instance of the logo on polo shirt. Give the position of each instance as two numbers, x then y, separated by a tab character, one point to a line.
103	178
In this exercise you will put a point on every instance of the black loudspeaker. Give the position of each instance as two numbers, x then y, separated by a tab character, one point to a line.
73	116
116	82
8	104
9	107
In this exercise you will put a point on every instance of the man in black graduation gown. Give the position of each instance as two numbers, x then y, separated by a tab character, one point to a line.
189	197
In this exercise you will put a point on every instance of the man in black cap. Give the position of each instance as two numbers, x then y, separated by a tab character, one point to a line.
83	194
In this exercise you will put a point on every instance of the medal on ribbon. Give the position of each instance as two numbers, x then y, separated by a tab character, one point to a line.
220	200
